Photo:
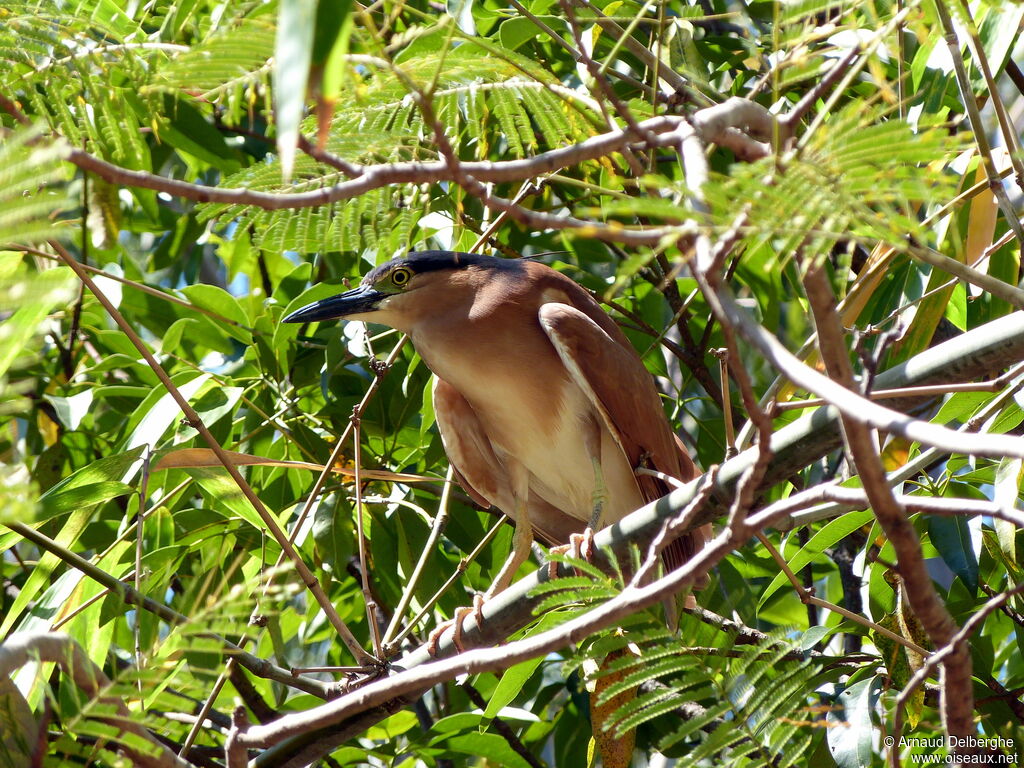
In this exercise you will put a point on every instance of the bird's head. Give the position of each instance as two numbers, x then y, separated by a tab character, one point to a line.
402	290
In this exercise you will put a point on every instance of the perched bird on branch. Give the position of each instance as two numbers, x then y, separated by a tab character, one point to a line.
545	409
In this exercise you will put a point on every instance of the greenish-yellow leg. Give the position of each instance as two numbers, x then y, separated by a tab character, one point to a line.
523	537
521	541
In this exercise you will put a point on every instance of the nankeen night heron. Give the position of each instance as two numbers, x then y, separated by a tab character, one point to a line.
545	409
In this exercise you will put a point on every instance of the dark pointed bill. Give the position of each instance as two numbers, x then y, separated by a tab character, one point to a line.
357	301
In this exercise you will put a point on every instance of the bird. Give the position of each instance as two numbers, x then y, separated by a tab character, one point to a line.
544	408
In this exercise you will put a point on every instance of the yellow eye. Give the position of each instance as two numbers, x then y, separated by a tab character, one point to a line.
400	277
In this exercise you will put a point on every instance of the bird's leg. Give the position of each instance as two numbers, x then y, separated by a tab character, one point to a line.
600	498
519	475
521	541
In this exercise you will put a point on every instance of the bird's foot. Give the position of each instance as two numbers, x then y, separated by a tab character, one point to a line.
580	546
455	623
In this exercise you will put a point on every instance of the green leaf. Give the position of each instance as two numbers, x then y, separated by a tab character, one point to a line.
160	410
1009	481
118	468
1008	418
961	406
510	685
827	537
489	746
224	497
331	43
814	635
851	733
188	131
334	537
218	300
80	497
517	31
292	54
393	727
71	410
211	406
952	538
35	298
46	604
463	721
18	728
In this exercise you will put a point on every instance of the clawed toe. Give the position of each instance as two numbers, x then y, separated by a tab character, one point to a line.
580	546
456	624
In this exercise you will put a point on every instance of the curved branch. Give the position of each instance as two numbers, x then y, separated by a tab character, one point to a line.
56	647
957	698
854	405
981	351
367	178
256	665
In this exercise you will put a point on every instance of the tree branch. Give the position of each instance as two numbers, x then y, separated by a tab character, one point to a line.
23	648
957	700
194	420
978	352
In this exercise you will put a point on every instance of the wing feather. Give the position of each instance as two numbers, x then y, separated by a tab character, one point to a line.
621	390
481	473
612	376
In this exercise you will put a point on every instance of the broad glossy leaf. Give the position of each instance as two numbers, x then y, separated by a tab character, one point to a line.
851	734
1009	481
827	537
952	538
511	684
160	410
118	469
490	746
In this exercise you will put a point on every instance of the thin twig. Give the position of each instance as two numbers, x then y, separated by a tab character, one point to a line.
808	598
787	122
364	560
459	570
440	521
194	420
723	373
668	75
379	369
884	394
980	134
204	711
957	700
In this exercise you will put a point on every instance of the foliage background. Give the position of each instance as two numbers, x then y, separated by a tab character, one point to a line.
888	173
